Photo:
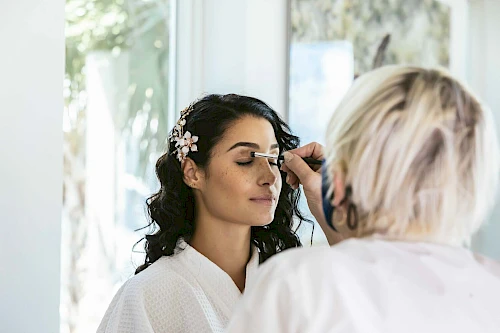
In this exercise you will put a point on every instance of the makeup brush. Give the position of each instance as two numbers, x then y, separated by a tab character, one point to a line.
308	160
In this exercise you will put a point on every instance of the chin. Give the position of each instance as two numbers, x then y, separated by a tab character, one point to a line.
264	223
260	222
259	217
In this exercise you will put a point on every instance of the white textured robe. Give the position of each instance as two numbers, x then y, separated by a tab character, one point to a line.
372	286
185	293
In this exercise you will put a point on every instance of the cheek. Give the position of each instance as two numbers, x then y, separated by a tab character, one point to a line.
232	183
279	182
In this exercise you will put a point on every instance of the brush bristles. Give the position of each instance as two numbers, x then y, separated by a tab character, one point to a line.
254	154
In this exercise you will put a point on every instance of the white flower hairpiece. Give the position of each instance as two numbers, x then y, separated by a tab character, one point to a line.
184	142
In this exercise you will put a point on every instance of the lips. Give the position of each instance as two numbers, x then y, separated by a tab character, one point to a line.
268	200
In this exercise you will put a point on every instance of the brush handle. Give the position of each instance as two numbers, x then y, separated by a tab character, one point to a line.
312	161
308	160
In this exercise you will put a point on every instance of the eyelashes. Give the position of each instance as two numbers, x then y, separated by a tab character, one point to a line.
251	161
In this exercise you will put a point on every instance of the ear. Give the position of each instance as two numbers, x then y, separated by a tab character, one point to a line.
338	187
192	175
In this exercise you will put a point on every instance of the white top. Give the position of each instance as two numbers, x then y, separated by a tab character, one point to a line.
185	292
371	285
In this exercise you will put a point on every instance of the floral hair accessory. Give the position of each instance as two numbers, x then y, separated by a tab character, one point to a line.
184	142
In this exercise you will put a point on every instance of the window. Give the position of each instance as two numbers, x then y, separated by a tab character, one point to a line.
333	41
117	91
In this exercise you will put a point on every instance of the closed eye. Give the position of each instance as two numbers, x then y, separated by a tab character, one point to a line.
245	163
271	162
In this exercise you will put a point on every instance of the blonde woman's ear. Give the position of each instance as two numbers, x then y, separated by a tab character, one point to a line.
339	189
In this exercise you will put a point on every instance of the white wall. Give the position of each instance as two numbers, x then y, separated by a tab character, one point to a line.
484	78
32	69
227	46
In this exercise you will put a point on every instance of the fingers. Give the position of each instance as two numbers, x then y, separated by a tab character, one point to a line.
313	149
291	178
299	171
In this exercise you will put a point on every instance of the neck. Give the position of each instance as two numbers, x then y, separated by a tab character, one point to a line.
226	245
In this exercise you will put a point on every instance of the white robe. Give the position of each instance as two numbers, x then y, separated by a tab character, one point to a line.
185	292
372	285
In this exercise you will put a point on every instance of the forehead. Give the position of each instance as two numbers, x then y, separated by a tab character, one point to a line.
249	129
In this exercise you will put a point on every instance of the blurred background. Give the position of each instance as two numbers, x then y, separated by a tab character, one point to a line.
91	88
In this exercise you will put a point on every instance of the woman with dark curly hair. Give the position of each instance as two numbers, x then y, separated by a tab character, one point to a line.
218	214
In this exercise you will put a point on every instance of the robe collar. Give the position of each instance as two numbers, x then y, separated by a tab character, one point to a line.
215	282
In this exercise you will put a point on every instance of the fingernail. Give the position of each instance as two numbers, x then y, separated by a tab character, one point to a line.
288	156
287	178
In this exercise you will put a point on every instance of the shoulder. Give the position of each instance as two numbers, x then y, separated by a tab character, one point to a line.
309	271
143	299
290	288
165	273
164	267
321	258
300	274
164	277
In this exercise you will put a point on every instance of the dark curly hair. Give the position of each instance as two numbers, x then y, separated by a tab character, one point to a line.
172	208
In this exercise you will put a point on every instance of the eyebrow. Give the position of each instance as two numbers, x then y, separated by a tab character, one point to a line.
251	145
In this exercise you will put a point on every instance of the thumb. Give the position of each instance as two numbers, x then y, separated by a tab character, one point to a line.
300	168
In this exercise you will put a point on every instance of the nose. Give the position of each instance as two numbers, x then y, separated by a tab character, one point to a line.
267	176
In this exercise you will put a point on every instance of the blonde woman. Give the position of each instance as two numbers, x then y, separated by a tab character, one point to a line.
411	170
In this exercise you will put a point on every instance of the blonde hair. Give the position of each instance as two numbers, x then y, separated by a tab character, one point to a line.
420	153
